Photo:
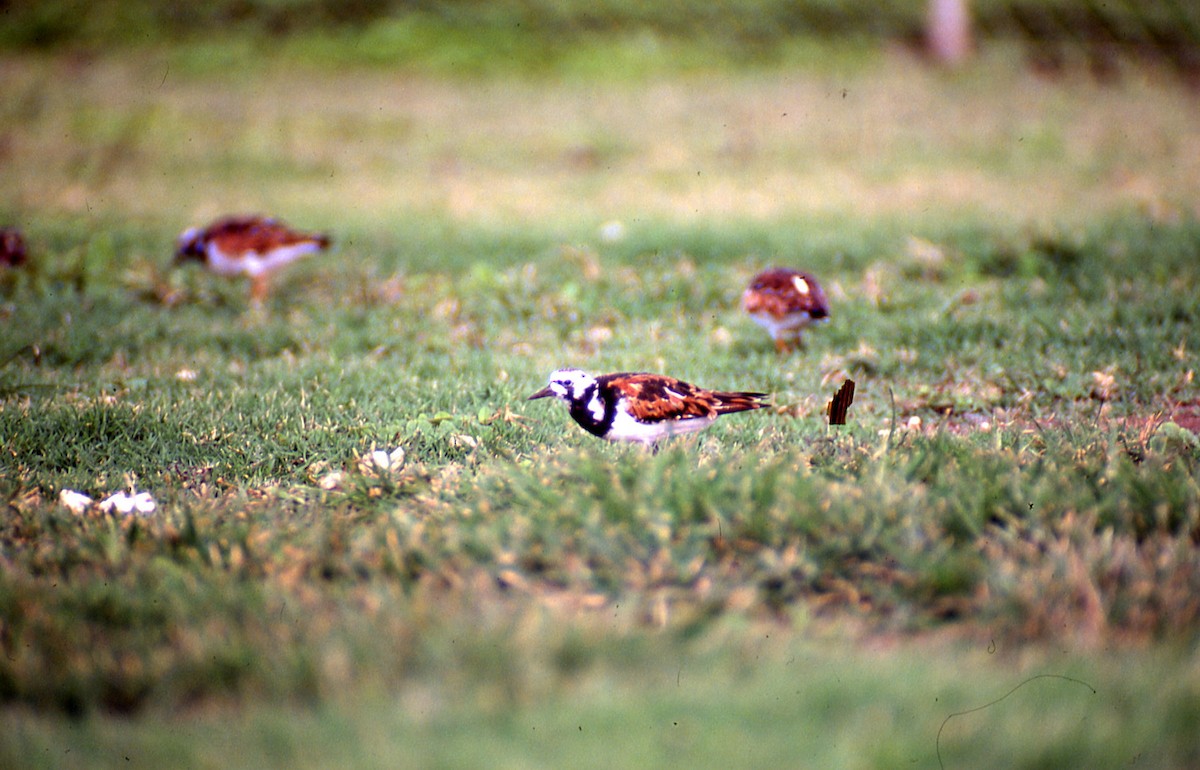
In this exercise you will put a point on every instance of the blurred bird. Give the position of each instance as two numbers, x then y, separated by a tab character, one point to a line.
784	301
12	247
642	407
253	246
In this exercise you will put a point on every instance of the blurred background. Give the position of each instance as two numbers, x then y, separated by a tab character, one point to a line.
574	113
1056	34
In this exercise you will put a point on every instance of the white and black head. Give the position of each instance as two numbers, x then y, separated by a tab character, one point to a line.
190	246
570	385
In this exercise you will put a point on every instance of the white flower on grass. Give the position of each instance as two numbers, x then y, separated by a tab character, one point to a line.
460	440
76	502
186	375
123	502
382	462
913	423
331	480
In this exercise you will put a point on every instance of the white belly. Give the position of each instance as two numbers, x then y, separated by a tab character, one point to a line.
625	428
253	263
788	326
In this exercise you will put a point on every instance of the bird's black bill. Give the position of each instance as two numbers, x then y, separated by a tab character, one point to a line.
543	393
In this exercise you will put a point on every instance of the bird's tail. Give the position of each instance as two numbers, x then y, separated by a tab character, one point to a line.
740	401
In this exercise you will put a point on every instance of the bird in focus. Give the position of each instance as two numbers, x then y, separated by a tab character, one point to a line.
642	407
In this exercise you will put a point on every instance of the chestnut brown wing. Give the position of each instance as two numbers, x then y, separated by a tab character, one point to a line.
238	235
656	397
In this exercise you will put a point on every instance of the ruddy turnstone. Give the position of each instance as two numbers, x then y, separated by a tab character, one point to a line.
642	407
784	301
248	245
12	247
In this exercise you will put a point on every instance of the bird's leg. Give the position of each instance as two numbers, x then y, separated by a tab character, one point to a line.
258	288
782	345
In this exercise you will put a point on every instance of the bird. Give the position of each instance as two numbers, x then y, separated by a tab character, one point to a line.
783	301
12	247
254	246
642	407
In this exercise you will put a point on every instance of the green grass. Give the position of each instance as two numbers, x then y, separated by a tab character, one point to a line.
1010	499
460	34
756	702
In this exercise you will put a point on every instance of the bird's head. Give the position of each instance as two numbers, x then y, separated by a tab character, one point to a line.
190	246
566	384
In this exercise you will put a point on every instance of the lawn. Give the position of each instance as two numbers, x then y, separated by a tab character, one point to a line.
1012	510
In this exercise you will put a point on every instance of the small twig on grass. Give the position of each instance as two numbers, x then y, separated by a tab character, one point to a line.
892	426
938	740
839	406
